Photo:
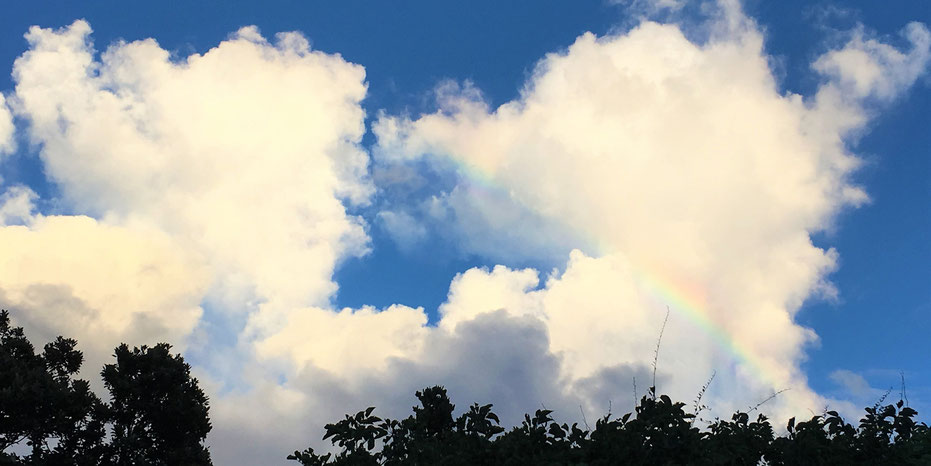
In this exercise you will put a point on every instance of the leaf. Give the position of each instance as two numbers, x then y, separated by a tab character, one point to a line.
557	431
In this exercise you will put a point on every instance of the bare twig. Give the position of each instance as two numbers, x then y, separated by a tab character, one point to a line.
904	395
774	395
636	399
882	398
656	352
698	406
584	421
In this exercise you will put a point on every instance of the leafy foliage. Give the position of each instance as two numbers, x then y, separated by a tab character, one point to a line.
157	415
660	431
59	418
157	411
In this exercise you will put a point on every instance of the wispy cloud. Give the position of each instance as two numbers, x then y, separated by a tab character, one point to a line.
7	141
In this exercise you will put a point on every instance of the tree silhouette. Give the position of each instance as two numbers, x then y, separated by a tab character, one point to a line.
157	414
59	418
659	432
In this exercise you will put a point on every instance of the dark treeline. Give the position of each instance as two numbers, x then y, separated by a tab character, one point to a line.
158	415
659	432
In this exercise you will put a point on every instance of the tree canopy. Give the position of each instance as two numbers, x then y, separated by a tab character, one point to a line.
157	414
659	432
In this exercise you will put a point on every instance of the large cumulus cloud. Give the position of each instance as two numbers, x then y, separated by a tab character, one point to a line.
212	190
245	153
696	179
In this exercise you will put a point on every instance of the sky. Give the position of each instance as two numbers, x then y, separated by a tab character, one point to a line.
329	205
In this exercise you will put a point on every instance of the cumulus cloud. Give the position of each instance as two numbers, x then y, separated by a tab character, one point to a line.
101	284
494	358
699	181
350	341
219	180
244	153
866	67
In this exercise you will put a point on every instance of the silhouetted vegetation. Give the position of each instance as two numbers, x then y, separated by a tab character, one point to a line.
157	414
659	432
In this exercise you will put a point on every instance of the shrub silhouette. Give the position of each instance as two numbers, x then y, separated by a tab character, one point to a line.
659	432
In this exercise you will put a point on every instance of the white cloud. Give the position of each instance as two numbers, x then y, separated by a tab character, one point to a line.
494	358
405	230
477	291
101	284
698	180
220	178
16	205
472	208
866	67
650	7
852	382
243	153
348	342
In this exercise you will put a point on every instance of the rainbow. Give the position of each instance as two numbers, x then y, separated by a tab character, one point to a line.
684	299
689	302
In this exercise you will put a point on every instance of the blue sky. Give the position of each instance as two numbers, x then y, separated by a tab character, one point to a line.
427	205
